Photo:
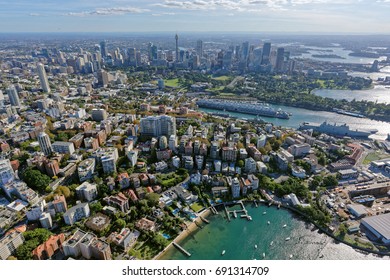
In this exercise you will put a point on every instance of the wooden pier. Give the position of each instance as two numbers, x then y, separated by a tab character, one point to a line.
181	249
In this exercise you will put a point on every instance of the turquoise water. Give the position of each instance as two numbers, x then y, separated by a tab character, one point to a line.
239	237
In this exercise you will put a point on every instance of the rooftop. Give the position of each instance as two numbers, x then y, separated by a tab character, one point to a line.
380	223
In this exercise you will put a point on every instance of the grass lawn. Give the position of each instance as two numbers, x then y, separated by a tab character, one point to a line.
172	82
221	78
373	157
196	207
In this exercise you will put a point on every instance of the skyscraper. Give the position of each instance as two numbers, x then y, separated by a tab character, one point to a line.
103	49
43	77
177	47
44	143
199	48
245	51
13	96
279	59
266	53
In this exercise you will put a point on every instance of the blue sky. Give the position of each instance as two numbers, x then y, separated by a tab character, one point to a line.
329	16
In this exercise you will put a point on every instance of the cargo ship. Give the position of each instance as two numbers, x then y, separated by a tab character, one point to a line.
258	109
338	130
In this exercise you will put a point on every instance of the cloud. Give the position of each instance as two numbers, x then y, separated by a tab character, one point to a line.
34	15
108	12
163	14
246	5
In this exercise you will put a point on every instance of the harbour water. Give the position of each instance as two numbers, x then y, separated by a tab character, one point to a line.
239	237
380	94
341	52
303	115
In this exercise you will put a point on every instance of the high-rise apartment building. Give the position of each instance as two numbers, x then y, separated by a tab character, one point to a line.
44	143
157	126
13	96
43	77
6	172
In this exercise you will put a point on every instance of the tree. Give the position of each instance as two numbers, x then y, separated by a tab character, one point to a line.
35	179
330	181
119	224
152	198
96	207
64	190
240	163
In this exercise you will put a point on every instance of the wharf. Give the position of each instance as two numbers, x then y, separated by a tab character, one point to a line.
181	249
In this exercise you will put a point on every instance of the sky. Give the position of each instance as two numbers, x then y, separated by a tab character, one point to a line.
309	16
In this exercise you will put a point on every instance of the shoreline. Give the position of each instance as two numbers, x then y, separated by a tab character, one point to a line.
191	228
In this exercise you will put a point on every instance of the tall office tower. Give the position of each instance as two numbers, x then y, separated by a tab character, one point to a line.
44	143
279	59
199	48
266	53
245	51
1	99
177	47
150	45
43	77
132	56
13	96
103	49
154	52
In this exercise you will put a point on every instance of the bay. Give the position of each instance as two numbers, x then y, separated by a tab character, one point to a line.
239	237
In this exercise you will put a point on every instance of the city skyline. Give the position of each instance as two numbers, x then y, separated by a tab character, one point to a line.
311	16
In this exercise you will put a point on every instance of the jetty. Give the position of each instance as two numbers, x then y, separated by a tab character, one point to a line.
181	249
212	208
227	212
204	220
243	212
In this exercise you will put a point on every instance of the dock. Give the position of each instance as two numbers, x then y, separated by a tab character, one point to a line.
204	220
212	208
234	213
227	212
181	249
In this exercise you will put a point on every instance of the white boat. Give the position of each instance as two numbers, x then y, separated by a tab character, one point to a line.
263	255
291	256
264	213
272	243
269	222
255	246
249	218
288	238
284	225
223	252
